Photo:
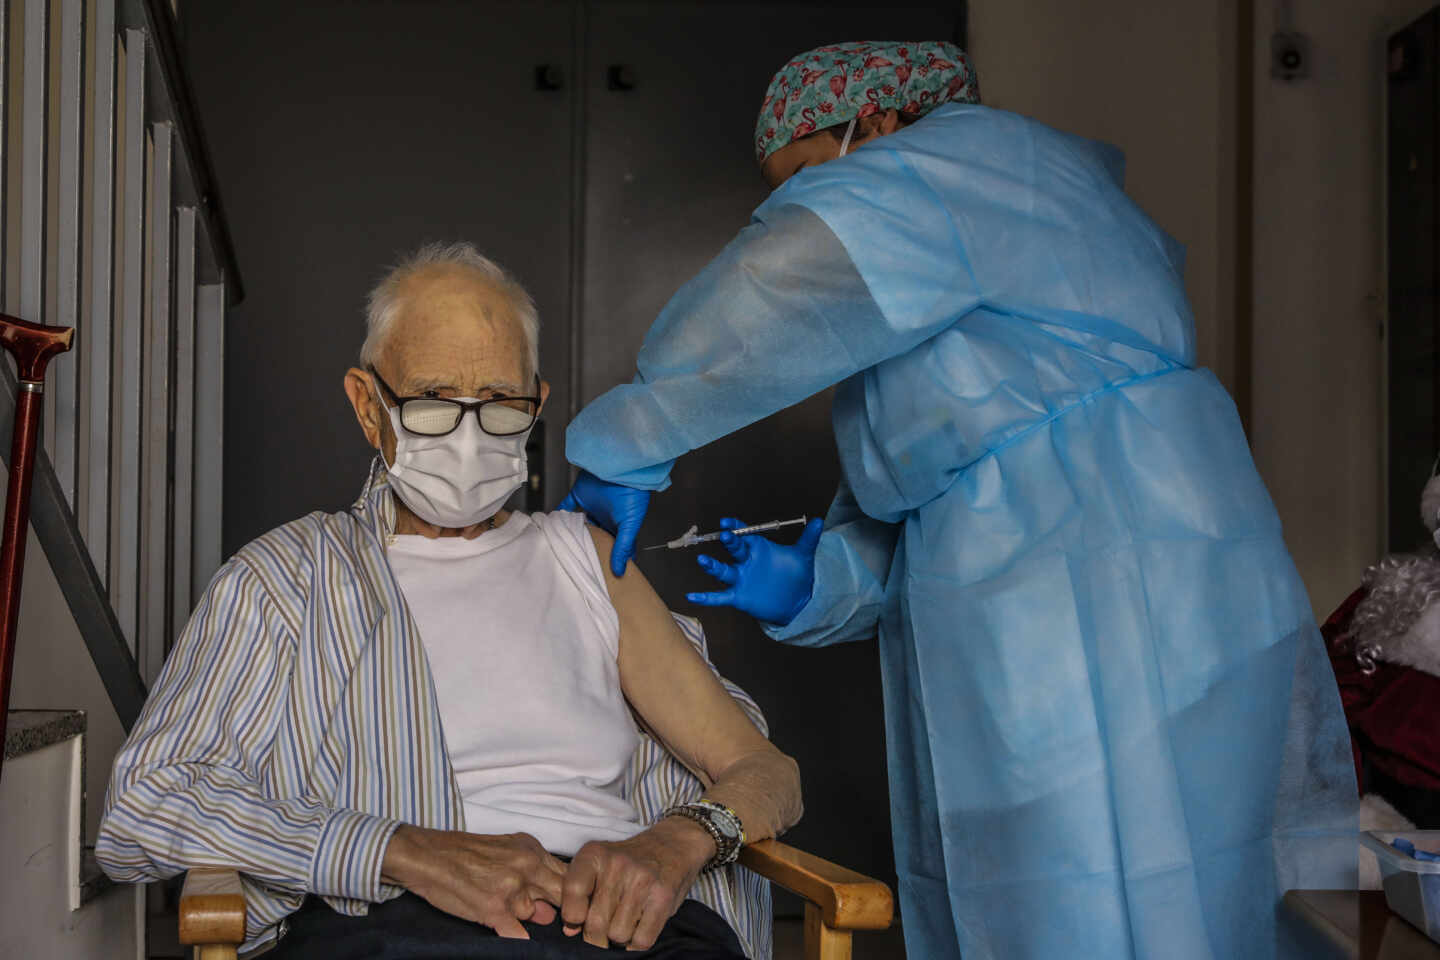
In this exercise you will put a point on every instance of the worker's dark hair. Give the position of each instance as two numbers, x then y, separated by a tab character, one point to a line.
837	130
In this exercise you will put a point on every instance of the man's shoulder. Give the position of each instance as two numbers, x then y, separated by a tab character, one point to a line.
286	558
574	542
572	528
569	521
305	535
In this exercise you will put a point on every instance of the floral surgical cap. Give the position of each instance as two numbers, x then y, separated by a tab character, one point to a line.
833	84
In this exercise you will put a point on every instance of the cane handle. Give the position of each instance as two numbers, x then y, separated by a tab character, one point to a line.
32	345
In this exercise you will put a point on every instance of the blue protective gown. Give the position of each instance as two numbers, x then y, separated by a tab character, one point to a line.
1112	728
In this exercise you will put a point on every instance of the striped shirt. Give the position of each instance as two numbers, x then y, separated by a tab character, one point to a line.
294	728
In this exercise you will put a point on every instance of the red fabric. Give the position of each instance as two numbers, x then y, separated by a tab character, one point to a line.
1393	713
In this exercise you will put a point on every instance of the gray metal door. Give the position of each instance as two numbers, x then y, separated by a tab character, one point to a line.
670	178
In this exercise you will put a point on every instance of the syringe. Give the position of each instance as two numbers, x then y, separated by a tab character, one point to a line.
691	537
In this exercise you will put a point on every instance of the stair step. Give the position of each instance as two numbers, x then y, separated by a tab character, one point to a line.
29	730
93	881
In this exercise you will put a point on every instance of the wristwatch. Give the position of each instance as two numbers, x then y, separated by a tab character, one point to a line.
722	823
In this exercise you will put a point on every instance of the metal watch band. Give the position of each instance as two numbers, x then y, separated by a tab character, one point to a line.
725	813
710	828
705	813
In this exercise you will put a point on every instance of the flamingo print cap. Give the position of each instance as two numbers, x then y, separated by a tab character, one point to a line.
832	84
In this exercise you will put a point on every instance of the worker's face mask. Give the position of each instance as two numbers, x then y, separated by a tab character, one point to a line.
457	480
849	132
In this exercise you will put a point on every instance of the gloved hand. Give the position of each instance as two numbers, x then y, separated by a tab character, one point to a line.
617	509
769	581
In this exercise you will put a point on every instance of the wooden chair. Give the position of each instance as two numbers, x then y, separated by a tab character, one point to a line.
837	902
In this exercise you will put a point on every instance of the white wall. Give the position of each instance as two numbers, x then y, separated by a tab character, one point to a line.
1152	79
38	866
1315	419
1319	287
53	671
1158	80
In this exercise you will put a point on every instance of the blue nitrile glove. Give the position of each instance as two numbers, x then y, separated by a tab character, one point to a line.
617	509
769	581
1409	849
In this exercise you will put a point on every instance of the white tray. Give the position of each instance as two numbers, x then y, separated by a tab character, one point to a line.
1412	887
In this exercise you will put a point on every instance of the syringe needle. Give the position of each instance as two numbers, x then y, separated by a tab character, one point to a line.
690	537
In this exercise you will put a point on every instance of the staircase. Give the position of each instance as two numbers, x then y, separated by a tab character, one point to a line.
57	902
110	222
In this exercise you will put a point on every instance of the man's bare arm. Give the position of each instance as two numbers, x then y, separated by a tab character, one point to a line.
624	892
686	706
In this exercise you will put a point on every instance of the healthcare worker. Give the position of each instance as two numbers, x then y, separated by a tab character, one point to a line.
1111	725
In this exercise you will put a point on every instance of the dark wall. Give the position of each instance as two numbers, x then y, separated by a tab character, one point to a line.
346	132
1413	219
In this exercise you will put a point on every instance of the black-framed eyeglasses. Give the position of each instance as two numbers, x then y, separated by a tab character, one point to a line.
437	416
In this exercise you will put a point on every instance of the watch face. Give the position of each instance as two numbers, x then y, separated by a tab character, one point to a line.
725	825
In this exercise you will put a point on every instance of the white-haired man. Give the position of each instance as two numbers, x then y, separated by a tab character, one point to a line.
398	721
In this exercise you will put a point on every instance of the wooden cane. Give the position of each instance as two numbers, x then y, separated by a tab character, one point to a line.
32	345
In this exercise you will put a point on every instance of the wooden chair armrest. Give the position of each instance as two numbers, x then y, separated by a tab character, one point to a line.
847	900
212	910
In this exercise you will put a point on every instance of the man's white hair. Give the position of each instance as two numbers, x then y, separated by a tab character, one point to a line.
383	304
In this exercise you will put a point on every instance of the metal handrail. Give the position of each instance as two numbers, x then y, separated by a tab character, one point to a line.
158	19
137	258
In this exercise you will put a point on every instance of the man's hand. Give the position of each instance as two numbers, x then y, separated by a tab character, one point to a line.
497	881
624	892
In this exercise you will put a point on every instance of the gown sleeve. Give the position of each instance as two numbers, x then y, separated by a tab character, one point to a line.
858	260
852	564
781	314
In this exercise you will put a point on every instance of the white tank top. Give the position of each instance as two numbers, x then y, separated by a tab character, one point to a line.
523	645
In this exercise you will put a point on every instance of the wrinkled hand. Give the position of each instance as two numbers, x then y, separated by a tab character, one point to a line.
623	893
769	581
495	880
617	509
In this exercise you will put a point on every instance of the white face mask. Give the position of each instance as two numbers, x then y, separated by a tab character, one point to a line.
459	479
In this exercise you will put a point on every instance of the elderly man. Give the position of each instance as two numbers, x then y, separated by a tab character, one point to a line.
397	721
